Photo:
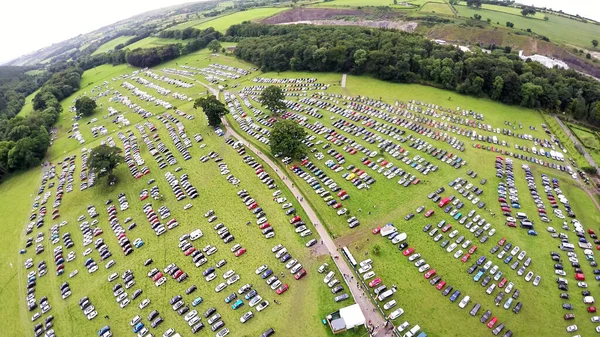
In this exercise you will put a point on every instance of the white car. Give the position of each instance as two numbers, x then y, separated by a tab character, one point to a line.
582	284
572	328
424	268
144	303
463	303
261	269
529	276
328	277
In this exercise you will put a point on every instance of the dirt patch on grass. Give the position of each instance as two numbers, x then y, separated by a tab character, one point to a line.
342	17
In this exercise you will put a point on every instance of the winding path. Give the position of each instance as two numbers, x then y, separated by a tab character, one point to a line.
368	308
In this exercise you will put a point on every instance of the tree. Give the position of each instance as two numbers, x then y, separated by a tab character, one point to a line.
104	159
476	16
546	18
272	98
85	106
286	138
527	11
213	108
474	3
595	43
509	24
498	86
214	45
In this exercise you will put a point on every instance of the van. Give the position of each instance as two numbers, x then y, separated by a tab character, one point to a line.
365	262
567	247
386	294
412	332
195	235
521	215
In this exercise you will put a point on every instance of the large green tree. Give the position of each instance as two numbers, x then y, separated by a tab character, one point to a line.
214	45
272	98
85	106
595	43
527	11
105	159
213	108
286	138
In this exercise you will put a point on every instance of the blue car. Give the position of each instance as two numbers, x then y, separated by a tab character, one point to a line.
532	232
478	276
455	296
508	259
103	330
481	260
197	301
266	274
138	327
237	304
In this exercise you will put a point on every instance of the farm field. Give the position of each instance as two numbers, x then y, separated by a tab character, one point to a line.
510	10
309	298
110	45
438	8
152	41
587	137
221	23
28	107
374	3
557	29
332	127
391	204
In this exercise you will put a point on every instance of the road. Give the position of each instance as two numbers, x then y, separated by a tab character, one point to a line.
368	308
576	141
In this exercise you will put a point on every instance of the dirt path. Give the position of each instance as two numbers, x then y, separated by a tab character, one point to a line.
368	309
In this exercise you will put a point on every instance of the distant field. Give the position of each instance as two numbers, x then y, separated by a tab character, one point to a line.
510	10
356	3
222	23
151	42
28	107
587	137
557	29
438	8
110	45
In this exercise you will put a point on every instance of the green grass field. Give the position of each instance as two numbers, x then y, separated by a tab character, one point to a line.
309	294
510	10
308	300
223	22
28	107
151	42
557	29
374	3
587	137
110	45
437	8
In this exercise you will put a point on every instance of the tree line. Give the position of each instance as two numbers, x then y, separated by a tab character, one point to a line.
25	140
409	58
148	57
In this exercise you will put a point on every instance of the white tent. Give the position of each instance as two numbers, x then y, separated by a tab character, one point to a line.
352	316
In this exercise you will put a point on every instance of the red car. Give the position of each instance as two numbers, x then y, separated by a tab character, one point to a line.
466	257
189	251
446	228
375	282
240	252
300	274
376	230
579	277
253	206
282	289
408	251
511	224
440	285
295	219
429	274
416	181
265	225
492	322
591	309
341	193
429	213
336	206
501	242
502	283
157	276
591	231
473	249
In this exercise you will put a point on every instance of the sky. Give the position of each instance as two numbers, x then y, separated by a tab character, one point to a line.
28	25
